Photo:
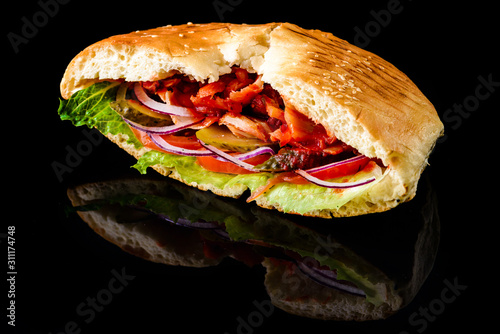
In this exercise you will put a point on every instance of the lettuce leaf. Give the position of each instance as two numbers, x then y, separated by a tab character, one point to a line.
190	171
307	197
90	107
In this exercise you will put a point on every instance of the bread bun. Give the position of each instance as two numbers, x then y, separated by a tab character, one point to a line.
364	100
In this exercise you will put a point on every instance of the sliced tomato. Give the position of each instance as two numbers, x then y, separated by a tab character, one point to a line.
343	170
187	142
327	174
214	165
144	139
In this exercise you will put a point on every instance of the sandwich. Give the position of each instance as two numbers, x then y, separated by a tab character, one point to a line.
299	120
358	271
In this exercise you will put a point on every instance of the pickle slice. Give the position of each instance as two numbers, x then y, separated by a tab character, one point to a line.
222	138
135	112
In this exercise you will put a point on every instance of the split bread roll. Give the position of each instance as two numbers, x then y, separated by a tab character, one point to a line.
362	99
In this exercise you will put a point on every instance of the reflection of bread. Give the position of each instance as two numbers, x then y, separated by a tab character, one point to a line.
362	99
287	287
155	241
291	291
301	296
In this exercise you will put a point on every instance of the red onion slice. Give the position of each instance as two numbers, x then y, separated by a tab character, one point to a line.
229	157
328	278
335	185
199	225
336	164
254	153
162	130
161	108
251	154
162	143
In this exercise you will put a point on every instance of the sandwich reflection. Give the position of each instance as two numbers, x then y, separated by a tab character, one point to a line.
357	268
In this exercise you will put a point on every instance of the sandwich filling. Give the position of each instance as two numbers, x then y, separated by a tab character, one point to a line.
237	126
244	118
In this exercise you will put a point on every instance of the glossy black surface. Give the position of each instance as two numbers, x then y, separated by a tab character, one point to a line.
447	50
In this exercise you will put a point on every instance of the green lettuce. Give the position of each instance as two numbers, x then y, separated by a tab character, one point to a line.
91	107
309	197
190	171
306	197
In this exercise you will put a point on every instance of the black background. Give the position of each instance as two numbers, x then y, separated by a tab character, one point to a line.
443	48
